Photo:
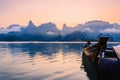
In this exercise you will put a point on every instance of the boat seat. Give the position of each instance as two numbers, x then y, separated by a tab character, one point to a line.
110	53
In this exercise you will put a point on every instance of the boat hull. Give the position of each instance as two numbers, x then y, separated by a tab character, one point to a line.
91	52
90	67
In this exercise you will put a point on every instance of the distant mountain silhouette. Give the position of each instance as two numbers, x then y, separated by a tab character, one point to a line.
49	32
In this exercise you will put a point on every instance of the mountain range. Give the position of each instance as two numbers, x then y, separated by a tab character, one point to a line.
49	32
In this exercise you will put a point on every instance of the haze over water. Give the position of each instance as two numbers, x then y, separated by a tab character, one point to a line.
42	61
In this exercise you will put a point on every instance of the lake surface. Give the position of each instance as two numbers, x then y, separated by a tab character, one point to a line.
42	61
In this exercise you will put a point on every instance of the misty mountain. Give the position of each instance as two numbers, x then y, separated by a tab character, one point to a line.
43	29
67	30
76	36
49	32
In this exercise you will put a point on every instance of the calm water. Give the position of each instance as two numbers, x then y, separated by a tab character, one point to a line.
41	61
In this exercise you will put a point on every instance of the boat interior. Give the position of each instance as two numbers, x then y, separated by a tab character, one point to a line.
109	53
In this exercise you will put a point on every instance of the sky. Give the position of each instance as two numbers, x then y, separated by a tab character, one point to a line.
71	12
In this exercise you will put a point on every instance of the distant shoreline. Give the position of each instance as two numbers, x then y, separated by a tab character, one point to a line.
53	42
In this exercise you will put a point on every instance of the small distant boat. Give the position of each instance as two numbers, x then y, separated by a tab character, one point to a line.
107	59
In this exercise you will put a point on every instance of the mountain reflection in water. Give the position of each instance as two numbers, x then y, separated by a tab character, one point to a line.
42	61
32	61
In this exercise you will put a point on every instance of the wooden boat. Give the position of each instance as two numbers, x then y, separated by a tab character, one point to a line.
103	61
90	56
93	51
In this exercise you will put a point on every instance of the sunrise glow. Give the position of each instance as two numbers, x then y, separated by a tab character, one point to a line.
71	12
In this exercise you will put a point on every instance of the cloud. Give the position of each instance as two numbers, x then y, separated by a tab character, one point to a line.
87	30
51	33
10	29
110	30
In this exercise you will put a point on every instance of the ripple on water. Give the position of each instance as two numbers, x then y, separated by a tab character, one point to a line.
21	65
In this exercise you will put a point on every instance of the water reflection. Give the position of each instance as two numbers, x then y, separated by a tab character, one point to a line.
41	62
45	49
48	61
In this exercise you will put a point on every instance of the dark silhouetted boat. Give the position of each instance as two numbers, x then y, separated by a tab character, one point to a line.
100	62
93	51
